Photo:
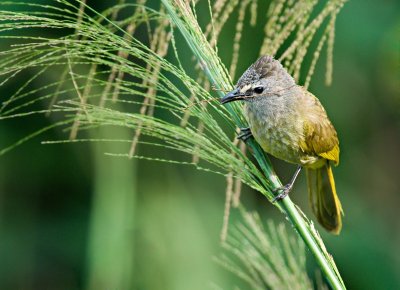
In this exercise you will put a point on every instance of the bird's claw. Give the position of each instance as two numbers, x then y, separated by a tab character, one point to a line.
284	191
245	134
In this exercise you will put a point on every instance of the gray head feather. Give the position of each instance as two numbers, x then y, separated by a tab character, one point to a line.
266	67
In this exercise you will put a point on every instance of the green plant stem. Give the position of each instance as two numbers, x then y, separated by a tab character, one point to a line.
330	274
217	75
110	260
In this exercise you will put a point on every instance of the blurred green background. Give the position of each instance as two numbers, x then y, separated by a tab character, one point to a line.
171	215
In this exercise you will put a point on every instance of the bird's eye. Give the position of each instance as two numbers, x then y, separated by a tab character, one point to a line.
258	90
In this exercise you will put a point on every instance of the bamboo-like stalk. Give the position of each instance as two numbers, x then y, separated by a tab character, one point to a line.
183	18
111	250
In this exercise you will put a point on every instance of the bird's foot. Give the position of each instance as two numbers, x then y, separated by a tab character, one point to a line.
283	192
245	134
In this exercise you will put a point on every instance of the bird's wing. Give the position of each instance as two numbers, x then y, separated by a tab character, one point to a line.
320	137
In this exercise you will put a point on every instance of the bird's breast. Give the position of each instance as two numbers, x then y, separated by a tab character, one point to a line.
277	129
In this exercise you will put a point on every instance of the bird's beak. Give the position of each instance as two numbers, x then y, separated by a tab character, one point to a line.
232	96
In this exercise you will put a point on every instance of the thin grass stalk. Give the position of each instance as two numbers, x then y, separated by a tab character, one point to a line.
182	16
158	43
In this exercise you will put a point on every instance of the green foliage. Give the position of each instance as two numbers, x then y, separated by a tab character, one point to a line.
265	258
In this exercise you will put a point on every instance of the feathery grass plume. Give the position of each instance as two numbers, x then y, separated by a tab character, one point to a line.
238	35
227	207
95	47
200	126
291	18
104	59
159	43
238	184
221	11
130	29
250	253
296	21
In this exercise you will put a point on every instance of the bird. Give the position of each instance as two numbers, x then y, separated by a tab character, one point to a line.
291	124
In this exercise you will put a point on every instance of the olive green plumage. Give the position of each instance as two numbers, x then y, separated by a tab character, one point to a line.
290	123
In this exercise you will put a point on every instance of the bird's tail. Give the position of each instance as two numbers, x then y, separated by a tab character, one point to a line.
323	198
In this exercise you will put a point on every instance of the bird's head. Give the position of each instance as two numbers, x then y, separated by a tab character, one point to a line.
264	78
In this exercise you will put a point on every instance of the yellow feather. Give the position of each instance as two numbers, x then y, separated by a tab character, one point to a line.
332	155
321	140
323	198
